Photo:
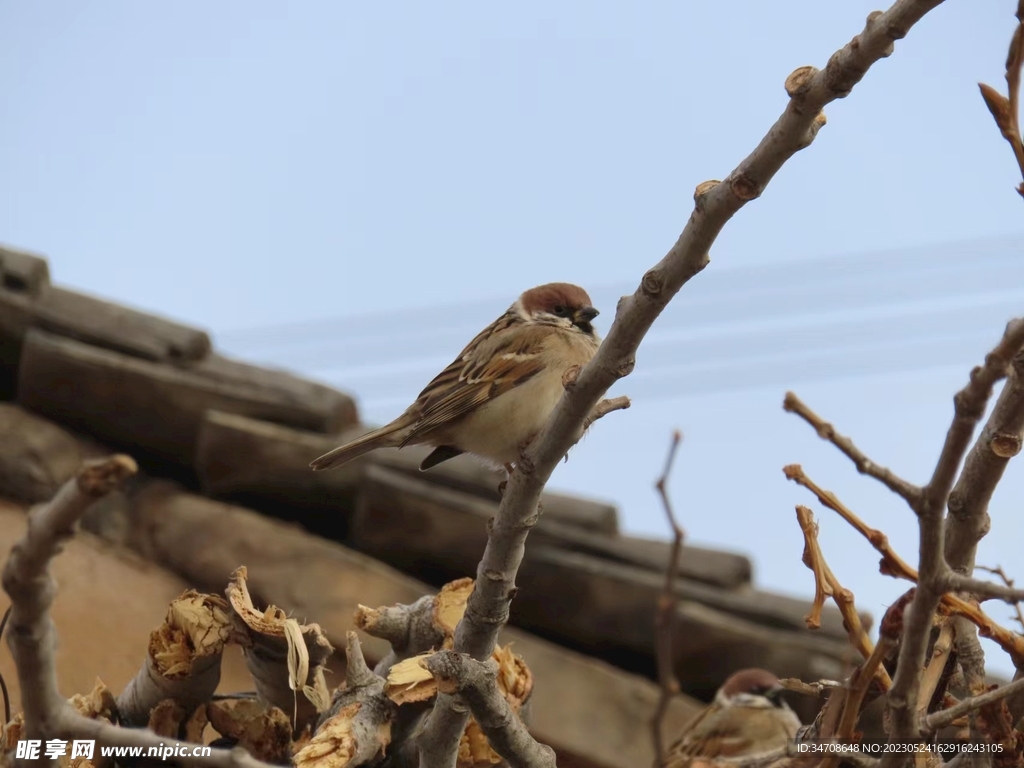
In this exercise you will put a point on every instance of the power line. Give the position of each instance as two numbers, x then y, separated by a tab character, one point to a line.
773	290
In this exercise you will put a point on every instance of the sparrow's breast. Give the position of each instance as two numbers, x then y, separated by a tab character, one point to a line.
497	430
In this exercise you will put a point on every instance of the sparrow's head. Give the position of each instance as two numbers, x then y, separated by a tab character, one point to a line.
751	688
559	303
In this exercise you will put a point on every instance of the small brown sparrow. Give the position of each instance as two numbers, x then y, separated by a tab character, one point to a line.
495	397
747	722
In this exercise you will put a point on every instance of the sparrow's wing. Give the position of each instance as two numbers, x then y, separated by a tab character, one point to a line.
733	732
504	355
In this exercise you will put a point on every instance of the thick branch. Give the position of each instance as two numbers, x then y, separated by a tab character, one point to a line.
999	441
933	582
967	518
476	682
715	203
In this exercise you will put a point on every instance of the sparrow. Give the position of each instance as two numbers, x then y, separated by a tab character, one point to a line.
747	722
497	394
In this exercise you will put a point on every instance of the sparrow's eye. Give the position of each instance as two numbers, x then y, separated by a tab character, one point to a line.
561	311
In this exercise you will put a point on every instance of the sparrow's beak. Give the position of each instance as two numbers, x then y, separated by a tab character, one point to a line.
774	695
584	315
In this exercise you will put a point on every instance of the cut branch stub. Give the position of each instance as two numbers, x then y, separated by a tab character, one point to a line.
183	659
286	659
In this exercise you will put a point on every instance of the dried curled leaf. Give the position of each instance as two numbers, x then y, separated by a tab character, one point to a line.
307	647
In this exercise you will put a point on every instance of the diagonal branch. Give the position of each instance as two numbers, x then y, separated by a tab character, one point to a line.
944	717
715	203
1005	577
892	564
908	491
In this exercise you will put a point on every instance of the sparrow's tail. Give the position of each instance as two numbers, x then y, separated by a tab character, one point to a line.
387	436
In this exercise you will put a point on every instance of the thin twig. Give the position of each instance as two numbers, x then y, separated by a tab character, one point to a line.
935	674
998	571
810	90
827	585
817	688
859	684
944	717
893	565
1006	111
664	616
3	684
908	491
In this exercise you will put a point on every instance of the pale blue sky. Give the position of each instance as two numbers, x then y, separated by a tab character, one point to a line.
252	164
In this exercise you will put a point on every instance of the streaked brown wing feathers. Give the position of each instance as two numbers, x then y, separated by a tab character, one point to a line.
486	368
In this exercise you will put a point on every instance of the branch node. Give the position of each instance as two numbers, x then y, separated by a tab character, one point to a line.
799	81
653	282
1005	446
744	187
701	192
625	368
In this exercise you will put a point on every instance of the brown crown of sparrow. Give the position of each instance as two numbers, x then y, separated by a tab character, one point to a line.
498	393
748	721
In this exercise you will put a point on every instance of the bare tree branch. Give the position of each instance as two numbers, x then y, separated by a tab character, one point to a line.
1006	111
826	585
934	581
458	673
893	565
944	717
664	616
809	90
1005	577
32	639
967	517
26	579
908	491
860	682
